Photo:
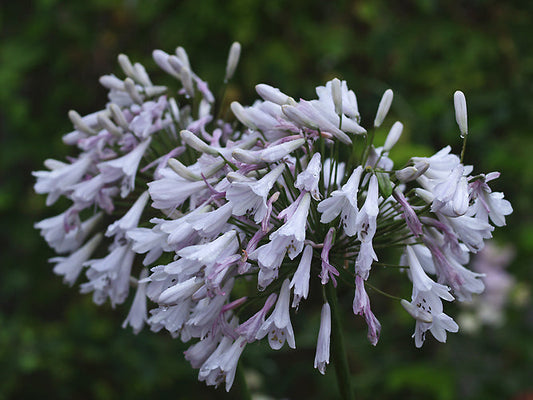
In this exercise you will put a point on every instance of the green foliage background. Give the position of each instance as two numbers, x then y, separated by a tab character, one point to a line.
54	343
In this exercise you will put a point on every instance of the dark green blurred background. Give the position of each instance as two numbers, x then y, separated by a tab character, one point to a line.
54	343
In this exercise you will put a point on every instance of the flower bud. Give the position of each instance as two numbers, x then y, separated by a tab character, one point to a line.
79	124
186	80
111	82
393	136
196	143
126	66
298	117
233	60
336	94
182	170
411	173
132	90
162	60
241	114
459	102
118	115
273	94
107	124
383	108
184	58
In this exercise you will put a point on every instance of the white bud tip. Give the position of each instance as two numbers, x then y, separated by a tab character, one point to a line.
459	102
233	60
336	94
383	108
393	136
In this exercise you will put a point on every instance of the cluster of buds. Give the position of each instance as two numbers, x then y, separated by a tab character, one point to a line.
219	224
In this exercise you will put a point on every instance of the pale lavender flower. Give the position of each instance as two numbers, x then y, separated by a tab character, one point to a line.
300	279
343	202
71	266
249	328
328	271
322	346
361	306
130	219
251	197
60	179
366	225
278	326
309	177
124	168
137	316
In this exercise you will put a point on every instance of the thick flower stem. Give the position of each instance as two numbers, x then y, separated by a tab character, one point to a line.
340	359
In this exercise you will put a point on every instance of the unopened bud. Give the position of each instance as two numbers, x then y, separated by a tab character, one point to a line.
118	115
126	66
336	94
186	80
272	94
246	156
174	110
459	102
182	170
277	152
233	60
184	58
111	82
196	143
79	124
411	173
383	108
298	117
142	76
132	91
393	136
152	91
107	124
162	59
240	113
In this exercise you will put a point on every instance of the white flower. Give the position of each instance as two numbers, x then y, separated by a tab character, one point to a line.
137	315
207	254
60	179
278	325
322	346
172	190
300	279
62	238
309	177
251	197
124	168
130	219
71	266
110	276
289	238
430	305
344	202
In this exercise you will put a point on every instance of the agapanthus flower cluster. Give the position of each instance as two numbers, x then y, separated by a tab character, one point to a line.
217	223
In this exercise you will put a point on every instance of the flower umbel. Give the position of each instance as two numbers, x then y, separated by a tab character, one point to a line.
193	210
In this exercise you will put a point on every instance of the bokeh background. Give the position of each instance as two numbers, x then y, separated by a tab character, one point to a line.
54	343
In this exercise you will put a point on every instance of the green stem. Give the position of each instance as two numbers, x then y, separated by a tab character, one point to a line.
463	149
340	359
